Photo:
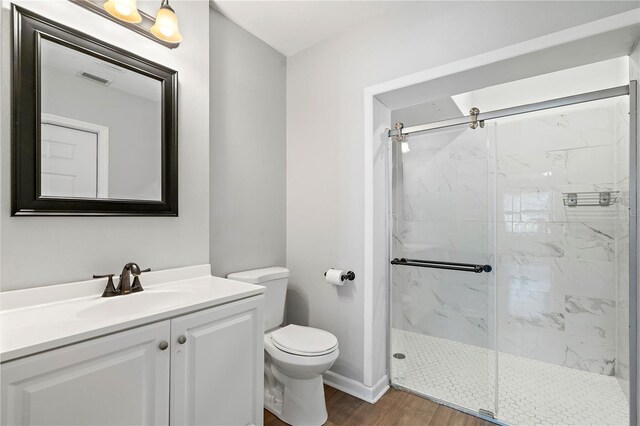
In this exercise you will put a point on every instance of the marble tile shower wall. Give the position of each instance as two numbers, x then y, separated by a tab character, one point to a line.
470	194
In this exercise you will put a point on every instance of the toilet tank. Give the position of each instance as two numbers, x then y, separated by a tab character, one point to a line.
275	279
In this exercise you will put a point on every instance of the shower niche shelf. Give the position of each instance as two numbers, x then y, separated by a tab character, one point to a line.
590	199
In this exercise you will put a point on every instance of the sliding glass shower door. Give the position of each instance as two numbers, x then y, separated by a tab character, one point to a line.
443	313
562	267
511	293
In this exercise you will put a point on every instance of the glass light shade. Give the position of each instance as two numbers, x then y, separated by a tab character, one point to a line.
166	26
124	10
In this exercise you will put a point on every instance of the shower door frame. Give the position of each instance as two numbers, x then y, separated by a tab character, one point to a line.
633	252
630	90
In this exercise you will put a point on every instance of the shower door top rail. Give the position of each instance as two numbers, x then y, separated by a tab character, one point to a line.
452	266
506	112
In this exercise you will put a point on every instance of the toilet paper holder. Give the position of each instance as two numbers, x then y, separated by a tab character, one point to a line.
349	275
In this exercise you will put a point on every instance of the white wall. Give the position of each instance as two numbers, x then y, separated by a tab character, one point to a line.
47	250
247	154
325	187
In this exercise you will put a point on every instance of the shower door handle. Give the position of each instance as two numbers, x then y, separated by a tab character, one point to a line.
452	266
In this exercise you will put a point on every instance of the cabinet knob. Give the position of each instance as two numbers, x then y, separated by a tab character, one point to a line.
163	345
182	339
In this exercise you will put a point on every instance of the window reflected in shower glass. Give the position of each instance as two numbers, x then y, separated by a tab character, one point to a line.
100	128
527	206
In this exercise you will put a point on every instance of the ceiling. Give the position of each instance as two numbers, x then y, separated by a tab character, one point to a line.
73	63
293	26
570	53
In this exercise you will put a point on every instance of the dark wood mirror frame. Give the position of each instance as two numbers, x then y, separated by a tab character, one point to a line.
28	31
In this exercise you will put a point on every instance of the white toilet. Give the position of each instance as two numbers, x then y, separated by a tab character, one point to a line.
295	356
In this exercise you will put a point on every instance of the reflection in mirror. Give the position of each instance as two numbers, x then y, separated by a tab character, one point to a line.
101	127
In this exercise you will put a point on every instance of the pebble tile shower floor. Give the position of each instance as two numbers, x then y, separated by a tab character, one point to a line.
530	392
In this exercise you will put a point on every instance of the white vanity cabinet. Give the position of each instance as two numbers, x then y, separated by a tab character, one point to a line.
213	378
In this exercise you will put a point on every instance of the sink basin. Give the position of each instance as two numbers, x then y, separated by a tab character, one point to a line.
108	307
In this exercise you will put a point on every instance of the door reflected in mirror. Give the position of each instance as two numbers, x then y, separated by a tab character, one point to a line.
101	128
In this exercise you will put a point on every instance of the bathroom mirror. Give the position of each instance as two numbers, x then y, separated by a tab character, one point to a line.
95	127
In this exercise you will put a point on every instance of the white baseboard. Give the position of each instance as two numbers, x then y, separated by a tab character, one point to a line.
357	389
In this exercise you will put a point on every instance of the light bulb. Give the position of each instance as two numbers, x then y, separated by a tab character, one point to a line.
166	30
124	10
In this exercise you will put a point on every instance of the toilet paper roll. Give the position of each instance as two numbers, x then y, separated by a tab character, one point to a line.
334	276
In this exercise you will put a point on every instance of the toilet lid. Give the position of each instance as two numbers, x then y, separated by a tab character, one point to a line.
305	341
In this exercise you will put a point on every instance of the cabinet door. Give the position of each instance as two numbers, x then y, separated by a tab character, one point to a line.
217	373
120	379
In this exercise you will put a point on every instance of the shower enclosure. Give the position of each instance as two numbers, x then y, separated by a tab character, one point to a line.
510	278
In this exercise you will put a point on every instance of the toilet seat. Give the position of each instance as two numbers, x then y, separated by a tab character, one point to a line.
304	341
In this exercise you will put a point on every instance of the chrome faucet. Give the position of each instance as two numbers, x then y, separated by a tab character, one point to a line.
124	286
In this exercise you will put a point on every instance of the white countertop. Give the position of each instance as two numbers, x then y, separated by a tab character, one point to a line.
43	318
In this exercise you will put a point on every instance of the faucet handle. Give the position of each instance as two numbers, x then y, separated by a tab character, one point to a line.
137	286
104	276
110	289
144	270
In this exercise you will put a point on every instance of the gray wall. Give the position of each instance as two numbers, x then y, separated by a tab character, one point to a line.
248	153
47	250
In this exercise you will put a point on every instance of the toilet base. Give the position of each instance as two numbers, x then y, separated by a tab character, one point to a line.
293	386
303	402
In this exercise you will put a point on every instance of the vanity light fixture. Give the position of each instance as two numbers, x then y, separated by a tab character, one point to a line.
124	10
163	29
166	25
